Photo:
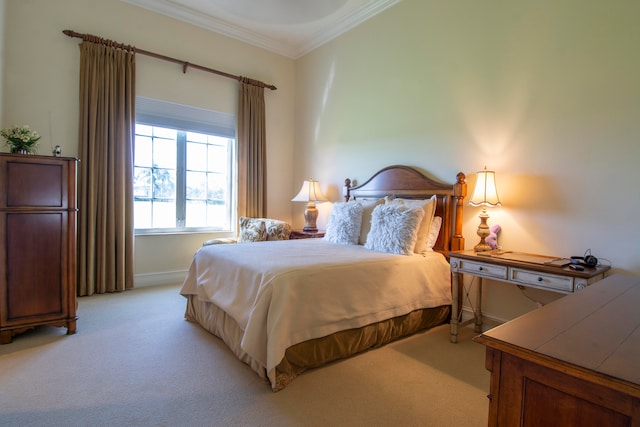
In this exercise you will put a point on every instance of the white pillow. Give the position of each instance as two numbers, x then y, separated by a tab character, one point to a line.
433	232
367	209
344	223
394	228
429	206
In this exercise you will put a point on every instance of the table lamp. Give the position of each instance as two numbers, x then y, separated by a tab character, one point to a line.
485	194
310	193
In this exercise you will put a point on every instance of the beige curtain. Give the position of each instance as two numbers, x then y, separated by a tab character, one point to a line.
105	188
252	157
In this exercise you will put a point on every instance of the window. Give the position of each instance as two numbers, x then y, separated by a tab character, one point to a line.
183	171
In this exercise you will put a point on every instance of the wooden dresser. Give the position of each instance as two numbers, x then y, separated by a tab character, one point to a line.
37	243
574	362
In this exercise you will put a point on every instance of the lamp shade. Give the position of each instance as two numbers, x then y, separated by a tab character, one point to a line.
310	192
485	193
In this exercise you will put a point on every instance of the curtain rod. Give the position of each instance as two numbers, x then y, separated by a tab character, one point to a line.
185	64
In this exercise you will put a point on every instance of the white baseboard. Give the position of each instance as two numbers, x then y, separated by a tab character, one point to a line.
488	320
158	279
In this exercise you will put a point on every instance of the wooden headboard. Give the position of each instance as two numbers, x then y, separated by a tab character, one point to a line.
409	183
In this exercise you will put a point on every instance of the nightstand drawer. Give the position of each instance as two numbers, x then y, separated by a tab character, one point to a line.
541	280
490	271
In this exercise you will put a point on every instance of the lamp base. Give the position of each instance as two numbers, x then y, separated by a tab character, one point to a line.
482	247
483	232
310	217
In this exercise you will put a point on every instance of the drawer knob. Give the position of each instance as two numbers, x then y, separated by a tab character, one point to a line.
480	268
540	279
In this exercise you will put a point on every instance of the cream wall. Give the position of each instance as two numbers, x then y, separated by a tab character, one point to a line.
40	83
547	93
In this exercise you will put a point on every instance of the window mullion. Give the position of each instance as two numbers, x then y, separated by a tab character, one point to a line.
181	179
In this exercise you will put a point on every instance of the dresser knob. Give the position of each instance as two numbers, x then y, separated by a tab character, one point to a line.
540	279
454	264
480	268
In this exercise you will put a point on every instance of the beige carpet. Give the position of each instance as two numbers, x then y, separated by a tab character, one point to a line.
135	361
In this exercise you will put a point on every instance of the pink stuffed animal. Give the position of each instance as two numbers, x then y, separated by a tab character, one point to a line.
492	240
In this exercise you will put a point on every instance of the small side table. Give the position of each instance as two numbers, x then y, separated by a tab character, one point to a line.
301	234
516	268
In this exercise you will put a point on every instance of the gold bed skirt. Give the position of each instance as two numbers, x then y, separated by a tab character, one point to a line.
316	352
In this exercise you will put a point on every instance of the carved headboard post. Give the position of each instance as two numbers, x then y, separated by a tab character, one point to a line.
346	189
459	193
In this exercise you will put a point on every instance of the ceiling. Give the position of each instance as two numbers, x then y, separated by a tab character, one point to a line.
288	27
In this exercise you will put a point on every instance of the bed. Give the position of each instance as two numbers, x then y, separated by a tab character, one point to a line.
287	306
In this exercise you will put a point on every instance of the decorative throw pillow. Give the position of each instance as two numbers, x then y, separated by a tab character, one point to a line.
434	232
276	229
394	228
429	206
344	223
367	209
252	230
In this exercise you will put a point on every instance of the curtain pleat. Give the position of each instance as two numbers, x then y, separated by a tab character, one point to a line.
252	158
105	185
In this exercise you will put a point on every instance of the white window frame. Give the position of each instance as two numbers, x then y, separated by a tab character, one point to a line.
186	118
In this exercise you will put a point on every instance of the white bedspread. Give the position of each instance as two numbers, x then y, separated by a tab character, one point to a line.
281	293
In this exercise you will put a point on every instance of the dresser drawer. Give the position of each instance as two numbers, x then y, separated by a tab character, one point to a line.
541	280
480	269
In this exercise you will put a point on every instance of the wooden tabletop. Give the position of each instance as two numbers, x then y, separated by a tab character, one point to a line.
597	328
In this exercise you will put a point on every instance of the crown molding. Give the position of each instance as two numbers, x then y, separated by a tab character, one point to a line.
255	38
345	24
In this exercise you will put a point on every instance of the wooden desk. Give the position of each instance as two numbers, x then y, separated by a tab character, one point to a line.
574	362
518	269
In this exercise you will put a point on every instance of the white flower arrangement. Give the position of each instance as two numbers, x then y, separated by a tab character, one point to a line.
21	139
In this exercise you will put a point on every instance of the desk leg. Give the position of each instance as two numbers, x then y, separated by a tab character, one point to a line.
454	307
477	313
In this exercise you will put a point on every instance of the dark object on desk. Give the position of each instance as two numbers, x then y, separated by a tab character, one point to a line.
586	261
576	267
